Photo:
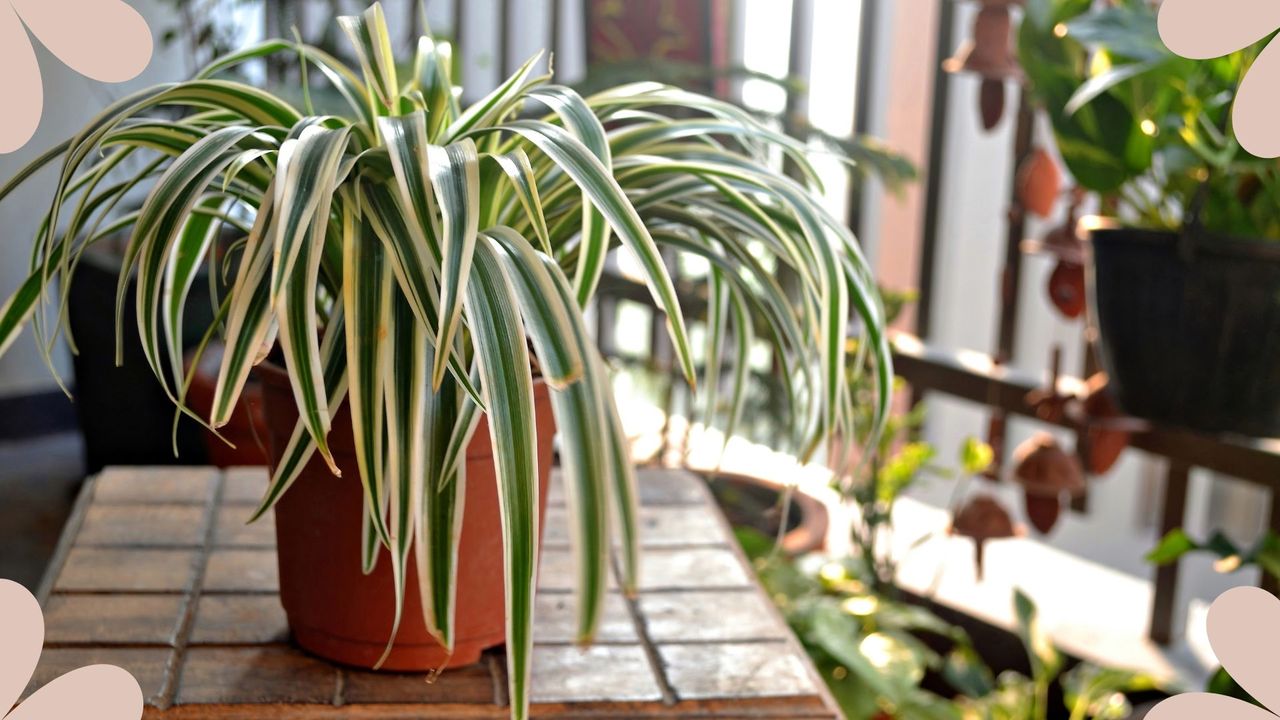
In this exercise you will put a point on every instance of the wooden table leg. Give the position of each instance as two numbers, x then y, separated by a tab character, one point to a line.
1267	581
1171	517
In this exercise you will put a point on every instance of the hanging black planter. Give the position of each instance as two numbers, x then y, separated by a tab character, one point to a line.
1190	327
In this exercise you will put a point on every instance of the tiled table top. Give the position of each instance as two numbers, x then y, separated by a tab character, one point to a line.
157	572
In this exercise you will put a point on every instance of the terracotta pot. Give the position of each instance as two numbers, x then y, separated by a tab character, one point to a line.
337	612
745	499
246	430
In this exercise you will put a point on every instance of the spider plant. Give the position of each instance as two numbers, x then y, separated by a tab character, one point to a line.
405	255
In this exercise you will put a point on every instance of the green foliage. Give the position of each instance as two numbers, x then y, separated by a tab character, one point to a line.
874	650
1265	553
873	484
867	646
1143	127
1089	692
976	456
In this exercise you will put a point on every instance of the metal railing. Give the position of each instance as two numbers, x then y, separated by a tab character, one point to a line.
991	383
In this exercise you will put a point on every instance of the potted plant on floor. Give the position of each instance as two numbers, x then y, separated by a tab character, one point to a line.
400	257
1184	275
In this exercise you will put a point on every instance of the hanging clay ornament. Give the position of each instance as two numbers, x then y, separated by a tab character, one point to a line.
1042	511
1046	472
1063	241
991	55
991	103
1105	444
1039	182
1042	466
1066	288
982	518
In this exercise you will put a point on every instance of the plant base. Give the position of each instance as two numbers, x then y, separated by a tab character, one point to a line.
339	613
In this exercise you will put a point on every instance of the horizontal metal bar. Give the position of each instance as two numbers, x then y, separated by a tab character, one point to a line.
974	377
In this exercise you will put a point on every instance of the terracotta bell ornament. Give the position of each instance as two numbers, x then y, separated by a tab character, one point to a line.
991	55
1039	182
982	518
1064	240
1046	472
1066	285
1105	442
1066	288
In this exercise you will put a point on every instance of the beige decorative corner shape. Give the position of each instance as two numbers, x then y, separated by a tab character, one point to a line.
104	40
105	692
1202	29
1244	630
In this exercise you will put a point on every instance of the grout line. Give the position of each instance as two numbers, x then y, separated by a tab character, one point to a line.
67	540
498	674
137	546
719	642
646	642
113	592
139	645
339	687
144	503
673	589
176	663
99	645
126	592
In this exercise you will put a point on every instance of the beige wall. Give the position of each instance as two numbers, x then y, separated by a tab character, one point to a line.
906	129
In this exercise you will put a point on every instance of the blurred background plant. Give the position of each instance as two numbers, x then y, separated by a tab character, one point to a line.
887	656
1145	129
886	653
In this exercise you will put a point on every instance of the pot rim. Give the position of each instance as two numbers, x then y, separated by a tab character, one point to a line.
272	373
1112	231
815	518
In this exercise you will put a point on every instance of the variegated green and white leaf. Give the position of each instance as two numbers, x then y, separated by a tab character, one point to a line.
405	394
368	33
439	497
550	312
455	178
249	318
300	448
577	161
366	298
499	340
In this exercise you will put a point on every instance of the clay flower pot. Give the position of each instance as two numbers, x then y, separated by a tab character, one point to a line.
334	609
246	431
754	501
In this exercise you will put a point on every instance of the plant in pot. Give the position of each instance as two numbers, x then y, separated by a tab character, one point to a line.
1184	273
400	255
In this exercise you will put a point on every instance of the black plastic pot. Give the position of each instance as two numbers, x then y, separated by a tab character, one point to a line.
1190	327
124	413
